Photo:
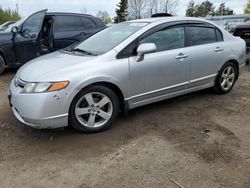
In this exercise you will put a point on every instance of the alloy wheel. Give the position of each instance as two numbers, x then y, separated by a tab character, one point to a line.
93	110
227	78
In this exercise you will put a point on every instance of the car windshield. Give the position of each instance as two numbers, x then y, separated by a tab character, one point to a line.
108	38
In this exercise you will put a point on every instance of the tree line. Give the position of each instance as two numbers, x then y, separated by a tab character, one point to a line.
207	8
136	9
8	14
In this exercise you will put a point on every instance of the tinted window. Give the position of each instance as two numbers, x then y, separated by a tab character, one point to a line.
167	39
34	23
245	35
87	23
202	35
68	23
219	35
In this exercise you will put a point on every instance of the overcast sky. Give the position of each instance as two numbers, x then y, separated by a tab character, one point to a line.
27	7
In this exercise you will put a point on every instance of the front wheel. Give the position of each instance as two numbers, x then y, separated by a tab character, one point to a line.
226	78
94	109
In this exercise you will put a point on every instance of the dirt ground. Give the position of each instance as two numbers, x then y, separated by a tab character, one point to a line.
194	141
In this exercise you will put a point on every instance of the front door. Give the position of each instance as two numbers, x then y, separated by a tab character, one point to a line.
162	72
26	42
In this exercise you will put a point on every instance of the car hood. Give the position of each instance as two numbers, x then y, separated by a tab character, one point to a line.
50	63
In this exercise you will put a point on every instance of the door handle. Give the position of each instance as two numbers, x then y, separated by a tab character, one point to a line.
181	56
218	49
33	36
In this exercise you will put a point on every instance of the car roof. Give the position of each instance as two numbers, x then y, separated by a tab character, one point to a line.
169	19
67	14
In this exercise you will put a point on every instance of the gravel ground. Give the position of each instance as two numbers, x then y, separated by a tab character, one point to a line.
198	140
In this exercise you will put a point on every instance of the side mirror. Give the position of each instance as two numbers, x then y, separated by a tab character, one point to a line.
145	49
14	29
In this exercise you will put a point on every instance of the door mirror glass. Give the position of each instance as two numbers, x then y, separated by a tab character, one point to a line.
14	29
145	49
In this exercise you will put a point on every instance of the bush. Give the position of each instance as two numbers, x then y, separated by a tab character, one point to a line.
8	15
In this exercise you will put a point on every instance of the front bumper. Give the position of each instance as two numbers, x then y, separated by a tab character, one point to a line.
40	111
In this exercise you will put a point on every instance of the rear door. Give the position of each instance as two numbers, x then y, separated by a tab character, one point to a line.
71	29
206	53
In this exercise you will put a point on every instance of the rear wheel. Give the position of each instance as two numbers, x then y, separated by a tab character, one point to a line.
94	109
2	65
226	78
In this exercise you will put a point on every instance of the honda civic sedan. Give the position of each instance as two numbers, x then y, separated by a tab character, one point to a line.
122	67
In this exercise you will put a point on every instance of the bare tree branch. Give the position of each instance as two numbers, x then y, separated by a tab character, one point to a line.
136	7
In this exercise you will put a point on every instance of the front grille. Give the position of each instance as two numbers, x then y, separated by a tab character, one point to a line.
20	83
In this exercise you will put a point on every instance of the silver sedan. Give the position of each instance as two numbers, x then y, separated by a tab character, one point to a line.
123	67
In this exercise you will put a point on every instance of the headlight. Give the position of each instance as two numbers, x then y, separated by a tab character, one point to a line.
44	87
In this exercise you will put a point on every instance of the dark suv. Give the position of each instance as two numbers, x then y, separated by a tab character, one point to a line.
42	33
243	31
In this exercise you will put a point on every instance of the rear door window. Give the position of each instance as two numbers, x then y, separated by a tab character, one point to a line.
219	35
68	23
202	35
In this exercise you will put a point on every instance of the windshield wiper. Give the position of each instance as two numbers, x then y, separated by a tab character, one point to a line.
83	51
66	49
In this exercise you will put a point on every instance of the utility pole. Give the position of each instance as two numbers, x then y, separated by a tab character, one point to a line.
17	8
221	13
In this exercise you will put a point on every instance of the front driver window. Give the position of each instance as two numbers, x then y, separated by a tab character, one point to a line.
167	39
33	24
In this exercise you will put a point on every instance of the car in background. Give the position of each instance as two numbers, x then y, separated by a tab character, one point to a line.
42	33
243	31
5	25
122	67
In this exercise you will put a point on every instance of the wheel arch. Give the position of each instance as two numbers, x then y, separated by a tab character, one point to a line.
114	87
236	63
233	60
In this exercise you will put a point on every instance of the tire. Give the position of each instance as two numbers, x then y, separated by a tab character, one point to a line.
95	103
2	65
226	78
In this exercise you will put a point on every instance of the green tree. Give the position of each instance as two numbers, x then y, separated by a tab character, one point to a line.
191	9
121	11
8	15
204	9
223	10
247	9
